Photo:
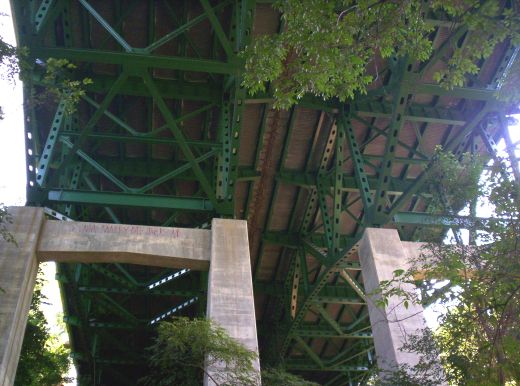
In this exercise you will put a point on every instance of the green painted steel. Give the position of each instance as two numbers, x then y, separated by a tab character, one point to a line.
159	138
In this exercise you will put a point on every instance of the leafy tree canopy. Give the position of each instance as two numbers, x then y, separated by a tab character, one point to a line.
325	48
185	348
58	77
479	335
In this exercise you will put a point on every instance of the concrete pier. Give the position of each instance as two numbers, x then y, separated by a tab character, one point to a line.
18	267
381	253
224	251
230	287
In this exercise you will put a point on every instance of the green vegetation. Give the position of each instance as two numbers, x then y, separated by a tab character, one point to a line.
279	377
58	78
326	48
5	218
185	348
479	334
59	83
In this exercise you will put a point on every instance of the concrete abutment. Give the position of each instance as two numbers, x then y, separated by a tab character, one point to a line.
224	251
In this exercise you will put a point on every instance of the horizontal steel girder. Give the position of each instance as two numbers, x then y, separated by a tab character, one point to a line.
308	180
325	331
119	199
137	60
306	365
134	86
428	219
142	292
294	240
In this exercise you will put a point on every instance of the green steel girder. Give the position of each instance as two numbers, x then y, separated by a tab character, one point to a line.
481	94
450	146
85	194
400	101
367	106
310	295
50	143
233	106
46	11
92	11
144	292
362	180
76	321
336	279
376	132
316	331
217	27
141	139
446	46
295	240
110	361
337	191
168	88
316	360
328	220
338	295
306	365
120	199
138	60
183	28
224	157
96	166
327	318
89	126
151	168
452	221
413	113
179	136
350	184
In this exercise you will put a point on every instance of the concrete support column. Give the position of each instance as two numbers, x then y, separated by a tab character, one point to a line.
230	286
18	268
381	252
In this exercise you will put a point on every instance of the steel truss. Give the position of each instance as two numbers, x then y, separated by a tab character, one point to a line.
177	162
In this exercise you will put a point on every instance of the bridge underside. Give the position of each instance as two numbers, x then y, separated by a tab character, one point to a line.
165	135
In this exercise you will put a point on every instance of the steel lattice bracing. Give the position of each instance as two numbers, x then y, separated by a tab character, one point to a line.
165	135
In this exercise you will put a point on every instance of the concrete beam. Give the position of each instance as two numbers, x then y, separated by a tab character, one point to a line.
230	287
84	242
18	267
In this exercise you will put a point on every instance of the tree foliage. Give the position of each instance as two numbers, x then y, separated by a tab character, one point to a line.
325	48
452	181
43	360
185	349
279	377
58	76
5	218
61	85
479	333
